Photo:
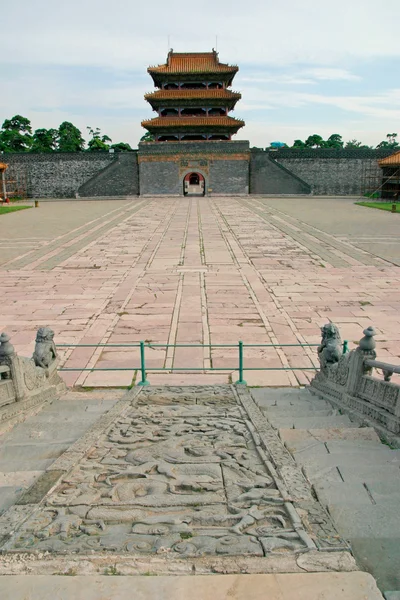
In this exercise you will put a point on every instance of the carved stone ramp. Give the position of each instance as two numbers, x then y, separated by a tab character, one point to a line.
302	586
175	480
355	477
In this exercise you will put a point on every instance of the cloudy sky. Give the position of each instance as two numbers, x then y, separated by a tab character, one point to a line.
306	66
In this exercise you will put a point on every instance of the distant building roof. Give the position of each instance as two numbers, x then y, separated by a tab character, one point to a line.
390	161
193	122
193	62
193	94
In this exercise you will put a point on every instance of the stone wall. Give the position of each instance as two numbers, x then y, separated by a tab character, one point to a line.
269	177
331	171
55	175
118	178
227	166
224	166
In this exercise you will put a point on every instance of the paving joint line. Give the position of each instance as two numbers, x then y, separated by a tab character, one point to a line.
269	328
64	235
323	254
292	378
352	246
84	241
362	255
122	280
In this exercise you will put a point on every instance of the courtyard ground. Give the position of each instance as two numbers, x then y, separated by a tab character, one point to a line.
199	270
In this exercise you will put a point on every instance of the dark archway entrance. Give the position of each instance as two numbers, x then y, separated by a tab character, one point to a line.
194	185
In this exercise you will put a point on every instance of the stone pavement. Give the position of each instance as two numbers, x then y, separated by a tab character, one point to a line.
299	586
199	270
355	477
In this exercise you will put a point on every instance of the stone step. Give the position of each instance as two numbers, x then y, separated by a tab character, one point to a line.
381	493
283	397
318	466
346	493
354	585
297	440
329	422
298	410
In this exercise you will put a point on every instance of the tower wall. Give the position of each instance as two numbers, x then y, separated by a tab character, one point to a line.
224	166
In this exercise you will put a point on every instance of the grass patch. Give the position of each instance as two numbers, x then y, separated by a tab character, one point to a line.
8	209
112	570
379	205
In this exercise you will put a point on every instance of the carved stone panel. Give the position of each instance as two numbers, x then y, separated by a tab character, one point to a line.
180	471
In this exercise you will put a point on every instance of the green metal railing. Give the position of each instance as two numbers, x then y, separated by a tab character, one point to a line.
240	367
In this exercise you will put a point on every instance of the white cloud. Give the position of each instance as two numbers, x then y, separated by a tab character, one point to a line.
130	34
331	74
278	47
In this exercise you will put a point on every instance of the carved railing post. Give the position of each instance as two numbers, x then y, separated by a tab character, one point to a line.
9	357
365	350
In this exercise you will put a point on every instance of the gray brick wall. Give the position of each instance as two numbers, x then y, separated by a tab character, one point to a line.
229	176
335	176
118	178
57	175
160	178
269	177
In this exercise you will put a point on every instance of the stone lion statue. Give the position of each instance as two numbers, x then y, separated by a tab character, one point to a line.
330	349
45	349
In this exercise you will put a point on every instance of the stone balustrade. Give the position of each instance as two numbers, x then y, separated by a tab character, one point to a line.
350	382
27	383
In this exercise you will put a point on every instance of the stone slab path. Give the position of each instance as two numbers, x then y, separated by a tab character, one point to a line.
311	586
355	477
199	271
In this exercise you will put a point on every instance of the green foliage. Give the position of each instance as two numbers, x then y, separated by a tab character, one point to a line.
147	137
298	144
121	147
15	135
69	138
112	570
314	141
44	140
353	144
334	141
390	142
98	141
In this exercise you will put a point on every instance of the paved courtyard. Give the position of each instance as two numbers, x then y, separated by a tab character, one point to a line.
199	270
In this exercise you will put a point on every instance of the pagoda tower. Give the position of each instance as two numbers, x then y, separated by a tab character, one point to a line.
193	99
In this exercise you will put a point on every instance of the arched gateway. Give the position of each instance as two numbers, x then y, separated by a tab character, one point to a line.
193	184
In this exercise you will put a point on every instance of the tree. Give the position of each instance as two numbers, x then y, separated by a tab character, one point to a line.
147	137
334	141
98	142
353	144
121	147
390	142
44	140
15	134
298	144
69	138
314	141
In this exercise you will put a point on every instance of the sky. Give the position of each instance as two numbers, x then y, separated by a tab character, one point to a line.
305	67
